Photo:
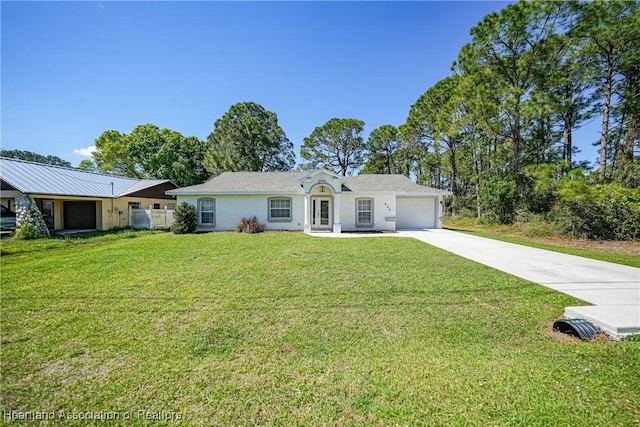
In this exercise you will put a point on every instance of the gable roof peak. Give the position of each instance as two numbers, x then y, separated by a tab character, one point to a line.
314	172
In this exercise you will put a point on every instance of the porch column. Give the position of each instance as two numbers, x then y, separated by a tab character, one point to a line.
439	209
307	215
337	226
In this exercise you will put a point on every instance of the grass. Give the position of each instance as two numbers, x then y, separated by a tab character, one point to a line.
626	253
288	329
11	246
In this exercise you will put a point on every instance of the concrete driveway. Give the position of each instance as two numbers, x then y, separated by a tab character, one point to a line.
613	289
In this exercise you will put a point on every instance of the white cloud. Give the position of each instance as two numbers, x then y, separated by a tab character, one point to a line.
87	152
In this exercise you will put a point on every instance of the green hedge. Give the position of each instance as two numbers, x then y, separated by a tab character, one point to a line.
606	212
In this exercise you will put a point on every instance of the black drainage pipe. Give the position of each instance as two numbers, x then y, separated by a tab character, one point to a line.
580	328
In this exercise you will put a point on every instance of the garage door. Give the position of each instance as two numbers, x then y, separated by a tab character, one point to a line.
80	215
415	212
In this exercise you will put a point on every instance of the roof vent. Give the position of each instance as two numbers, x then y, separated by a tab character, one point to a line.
580	328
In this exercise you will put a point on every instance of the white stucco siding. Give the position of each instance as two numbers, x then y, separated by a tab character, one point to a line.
389	212
416	212
384	212
230	209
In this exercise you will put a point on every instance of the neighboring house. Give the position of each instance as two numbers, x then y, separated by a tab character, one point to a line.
74	199
316	200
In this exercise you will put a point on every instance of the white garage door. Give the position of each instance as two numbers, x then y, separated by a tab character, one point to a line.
415	212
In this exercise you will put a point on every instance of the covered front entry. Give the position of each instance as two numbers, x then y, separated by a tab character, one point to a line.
322	201
80	215
321	218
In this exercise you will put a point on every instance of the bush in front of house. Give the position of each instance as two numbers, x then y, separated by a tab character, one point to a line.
250	225
185	219
30	224
27	231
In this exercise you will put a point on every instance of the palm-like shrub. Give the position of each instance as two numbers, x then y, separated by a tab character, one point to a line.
250	225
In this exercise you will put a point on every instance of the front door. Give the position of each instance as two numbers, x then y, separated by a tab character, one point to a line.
321	213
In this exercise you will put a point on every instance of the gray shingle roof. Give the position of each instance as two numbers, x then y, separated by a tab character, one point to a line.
289	183
38	178
387	183
248	182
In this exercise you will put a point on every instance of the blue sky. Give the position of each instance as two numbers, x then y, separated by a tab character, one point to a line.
71	70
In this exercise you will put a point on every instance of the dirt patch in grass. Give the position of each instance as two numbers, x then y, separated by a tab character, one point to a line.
562	337
570	339
617	247
559	336
612	246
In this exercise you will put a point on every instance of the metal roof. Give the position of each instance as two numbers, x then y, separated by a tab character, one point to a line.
289	183
38	178
143	184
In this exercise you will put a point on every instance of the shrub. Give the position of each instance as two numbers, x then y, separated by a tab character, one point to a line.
606	212
28	231
462	219
534	224
185	219
250	225
490	218
497	199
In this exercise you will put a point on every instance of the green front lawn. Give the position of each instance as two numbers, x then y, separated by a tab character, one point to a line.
288	329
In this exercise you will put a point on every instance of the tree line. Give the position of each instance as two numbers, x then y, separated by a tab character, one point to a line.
246	138
498	132
533	74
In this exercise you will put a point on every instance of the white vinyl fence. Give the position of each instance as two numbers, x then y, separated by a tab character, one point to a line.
150	218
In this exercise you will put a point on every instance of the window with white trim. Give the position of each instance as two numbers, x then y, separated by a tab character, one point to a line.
364	212
207	212
134	205
279	209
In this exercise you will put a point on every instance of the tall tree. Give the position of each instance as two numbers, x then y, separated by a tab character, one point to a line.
566	93
34	157
151	152
383	146
433	118
183	159
627	165
113	155
611	30
167	154
87	165
375	164
145	142
507	50
336	145
410	151
248	138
